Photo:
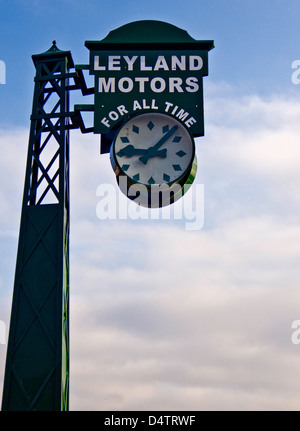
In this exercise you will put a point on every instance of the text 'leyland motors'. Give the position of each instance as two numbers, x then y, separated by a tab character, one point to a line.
136	75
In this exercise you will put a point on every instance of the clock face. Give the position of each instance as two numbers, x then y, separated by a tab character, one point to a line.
153	148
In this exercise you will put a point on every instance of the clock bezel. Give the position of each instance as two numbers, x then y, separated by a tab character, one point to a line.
181	179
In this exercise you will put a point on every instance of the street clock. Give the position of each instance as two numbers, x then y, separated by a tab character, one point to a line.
155	153
148	106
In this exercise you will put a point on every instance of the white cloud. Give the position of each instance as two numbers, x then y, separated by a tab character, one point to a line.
250	155
201	320
206	319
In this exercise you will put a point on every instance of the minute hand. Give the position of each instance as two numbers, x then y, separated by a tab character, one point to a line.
152	151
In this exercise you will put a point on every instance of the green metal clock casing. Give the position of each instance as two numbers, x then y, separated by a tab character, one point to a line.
155	153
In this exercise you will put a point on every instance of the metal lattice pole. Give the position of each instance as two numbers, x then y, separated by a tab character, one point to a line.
37	362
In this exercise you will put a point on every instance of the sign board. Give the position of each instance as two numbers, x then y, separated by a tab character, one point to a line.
148	66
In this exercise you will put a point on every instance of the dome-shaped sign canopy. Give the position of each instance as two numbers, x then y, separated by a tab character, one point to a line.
148	66
148	33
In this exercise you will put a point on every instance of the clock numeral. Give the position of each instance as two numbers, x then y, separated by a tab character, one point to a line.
124	139
180	153
150	125
151	180
125	167
166	178
136	177
136	129
165	128
177	167
177	139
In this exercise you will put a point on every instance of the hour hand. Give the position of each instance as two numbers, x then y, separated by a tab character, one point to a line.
151	152
130	151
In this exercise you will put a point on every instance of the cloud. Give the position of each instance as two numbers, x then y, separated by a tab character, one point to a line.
250	155
172	319
184	352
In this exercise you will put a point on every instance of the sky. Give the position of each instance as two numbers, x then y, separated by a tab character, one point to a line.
196	312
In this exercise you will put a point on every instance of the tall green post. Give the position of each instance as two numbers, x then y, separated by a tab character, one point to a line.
37	362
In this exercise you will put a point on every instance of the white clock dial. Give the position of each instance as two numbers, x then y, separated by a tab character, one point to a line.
153	148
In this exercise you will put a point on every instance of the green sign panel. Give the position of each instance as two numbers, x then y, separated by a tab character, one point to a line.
148	66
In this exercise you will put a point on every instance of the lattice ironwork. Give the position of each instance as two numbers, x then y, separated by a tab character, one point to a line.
37	363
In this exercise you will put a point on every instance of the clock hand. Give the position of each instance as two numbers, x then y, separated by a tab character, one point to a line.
130	151
164	138
152	151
